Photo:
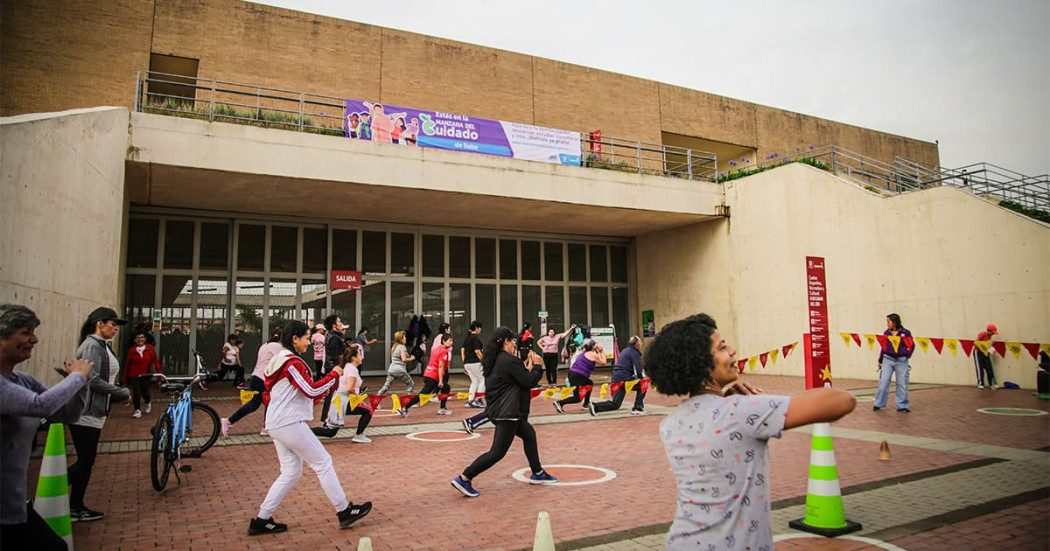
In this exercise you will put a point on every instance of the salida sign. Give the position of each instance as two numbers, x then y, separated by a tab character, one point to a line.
345	279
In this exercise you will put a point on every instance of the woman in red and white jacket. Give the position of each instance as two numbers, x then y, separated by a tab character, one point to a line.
141	362
292	395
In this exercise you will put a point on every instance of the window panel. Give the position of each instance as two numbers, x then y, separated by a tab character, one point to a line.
373	316
578	313
577	262
212	294
434	256
556	308
485	258
178	244
175	312
508	259
373	253
554	269
402	306
315	249
459	318
618	259
599	268
508	306
402	254
530	307
284	245
621	314
142	243
530	260
485	307
600	306
215	246
251	246
314	298
458	256
344	249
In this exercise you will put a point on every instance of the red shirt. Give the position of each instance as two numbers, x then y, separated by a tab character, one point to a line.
139	364
439	355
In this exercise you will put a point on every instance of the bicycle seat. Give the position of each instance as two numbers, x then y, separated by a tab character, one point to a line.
173	388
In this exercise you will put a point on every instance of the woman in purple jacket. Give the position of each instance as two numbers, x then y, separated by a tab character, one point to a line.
893	361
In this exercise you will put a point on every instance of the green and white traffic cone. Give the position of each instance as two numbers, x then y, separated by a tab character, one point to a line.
52	490
824	512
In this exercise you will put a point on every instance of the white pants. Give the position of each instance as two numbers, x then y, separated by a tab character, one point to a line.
477	378
295	444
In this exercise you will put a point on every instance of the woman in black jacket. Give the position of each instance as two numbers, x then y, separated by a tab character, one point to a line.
508	386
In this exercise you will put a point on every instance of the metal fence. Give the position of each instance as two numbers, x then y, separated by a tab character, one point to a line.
224	101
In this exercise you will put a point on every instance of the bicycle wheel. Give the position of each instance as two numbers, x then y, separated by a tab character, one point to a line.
202	430
161	458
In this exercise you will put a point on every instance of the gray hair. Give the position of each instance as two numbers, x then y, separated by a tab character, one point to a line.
14	317
635	339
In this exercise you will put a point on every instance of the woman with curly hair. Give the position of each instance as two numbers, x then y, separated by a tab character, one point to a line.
717	438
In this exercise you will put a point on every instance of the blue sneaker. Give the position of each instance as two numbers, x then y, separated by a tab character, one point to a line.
465	487
542	478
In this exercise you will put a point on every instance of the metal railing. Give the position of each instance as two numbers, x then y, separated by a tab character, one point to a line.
224	101
905	175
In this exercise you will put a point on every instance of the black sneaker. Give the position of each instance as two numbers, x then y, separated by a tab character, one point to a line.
84	515
325	431
353	513
265	526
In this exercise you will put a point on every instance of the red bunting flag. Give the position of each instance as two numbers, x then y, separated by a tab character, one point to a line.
644	386
584	391
909	342
787	349
938	344
882	341
856	338
536	392
1000	347
740	364
375	399
406	398
967	346
446	396
1032	348
763	357
479	395
613	388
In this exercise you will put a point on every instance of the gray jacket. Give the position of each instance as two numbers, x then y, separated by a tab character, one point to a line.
100	390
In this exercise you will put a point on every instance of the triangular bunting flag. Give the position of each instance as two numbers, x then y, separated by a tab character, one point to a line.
883	341
1000	347
549	393
924	344
629	386
585	390
846	338
983	346
375	400
856	338
1045	347
462	395
740	365
355	400
604	392
424	398
968	346
247	395
337	402
615	387
909	342
1015	349
567	391
751	362
895	341
446	396
788	348
536	392
773	355
952	345
645	385
763	358
397	403
938	344
1032	348
871	340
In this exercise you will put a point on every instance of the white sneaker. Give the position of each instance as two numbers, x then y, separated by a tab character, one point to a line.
224	427
137	414
994	386
980	386
149	407
264	432
444	411
637	412
360	439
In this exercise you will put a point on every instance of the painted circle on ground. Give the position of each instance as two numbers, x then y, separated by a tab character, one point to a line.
567	474
421	436
1020	412
878	544
865	398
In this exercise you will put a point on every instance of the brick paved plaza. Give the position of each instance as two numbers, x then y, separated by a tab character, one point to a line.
958	479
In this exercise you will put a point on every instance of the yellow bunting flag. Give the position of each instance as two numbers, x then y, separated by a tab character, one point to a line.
629	386
462	395
424	398
337	402
1044	347
604	392
895	340
773	355
791	348
751	362
1015	348
871	340
354	400
846	338
567	391
952	345
924	344
549	393
247	395
984	346
397	403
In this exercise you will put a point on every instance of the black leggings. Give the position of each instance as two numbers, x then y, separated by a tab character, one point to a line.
577	380
501	441
429	387
550	364
366	418
85	442
140	387
238	376
258	386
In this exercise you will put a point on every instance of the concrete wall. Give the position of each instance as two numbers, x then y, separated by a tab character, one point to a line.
947	262
60	54
61	210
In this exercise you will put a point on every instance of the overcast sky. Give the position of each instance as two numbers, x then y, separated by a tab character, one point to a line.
971	74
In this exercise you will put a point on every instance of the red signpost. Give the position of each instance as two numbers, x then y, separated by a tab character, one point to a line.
816	343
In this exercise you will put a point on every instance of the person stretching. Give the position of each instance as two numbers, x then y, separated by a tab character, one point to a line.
293	394
349	383
580	374
628	368
435	378
255	383
398	368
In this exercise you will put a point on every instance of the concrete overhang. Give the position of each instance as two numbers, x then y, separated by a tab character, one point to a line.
186	163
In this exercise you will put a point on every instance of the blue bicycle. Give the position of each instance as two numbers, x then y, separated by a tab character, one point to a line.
187	429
